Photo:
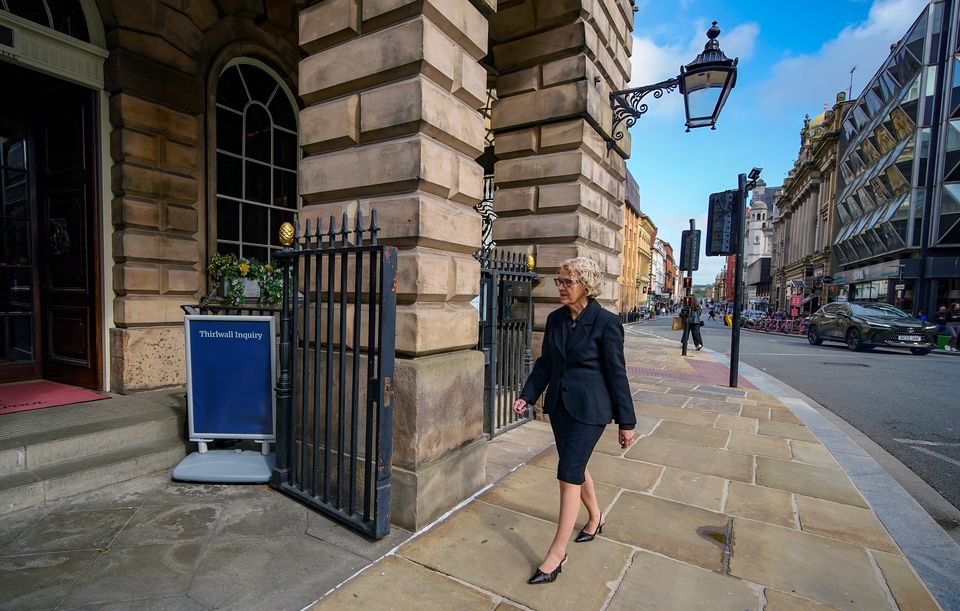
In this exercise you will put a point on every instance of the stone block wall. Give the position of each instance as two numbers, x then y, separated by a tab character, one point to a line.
559	187
392	90
164	60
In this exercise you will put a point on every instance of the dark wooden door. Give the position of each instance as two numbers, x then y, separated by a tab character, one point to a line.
69	238
19	301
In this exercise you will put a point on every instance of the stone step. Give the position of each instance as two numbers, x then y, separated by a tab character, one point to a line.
35	487
32	451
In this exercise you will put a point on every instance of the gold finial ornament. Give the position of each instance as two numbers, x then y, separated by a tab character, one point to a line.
286	234
531	262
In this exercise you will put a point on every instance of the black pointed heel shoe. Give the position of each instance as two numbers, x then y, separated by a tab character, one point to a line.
585	537
541	577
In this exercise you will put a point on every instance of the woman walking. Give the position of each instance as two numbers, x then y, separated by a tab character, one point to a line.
582	361
693	324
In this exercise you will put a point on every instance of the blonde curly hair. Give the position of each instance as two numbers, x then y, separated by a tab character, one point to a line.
587	272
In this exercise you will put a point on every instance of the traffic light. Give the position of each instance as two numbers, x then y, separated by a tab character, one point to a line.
687	302
687	282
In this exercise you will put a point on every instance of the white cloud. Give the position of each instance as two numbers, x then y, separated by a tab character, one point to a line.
812	79
652	63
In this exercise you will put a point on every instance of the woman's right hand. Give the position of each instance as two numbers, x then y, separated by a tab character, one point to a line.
519	406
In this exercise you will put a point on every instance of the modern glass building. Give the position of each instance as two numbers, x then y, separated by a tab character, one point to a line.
898	202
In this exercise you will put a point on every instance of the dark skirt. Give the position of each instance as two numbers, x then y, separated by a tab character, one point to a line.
575	443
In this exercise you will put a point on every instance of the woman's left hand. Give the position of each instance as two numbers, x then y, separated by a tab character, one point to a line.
626	438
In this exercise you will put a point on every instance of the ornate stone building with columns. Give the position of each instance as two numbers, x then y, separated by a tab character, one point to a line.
805	208
182	129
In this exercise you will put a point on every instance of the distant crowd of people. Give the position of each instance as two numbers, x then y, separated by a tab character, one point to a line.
656	311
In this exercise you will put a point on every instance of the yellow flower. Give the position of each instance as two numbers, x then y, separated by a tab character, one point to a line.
244	268
268	267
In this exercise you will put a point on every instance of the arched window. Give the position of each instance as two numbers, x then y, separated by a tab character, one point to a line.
64	16
257	154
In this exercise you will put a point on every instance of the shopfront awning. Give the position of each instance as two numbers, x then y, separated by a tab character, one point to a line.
797	284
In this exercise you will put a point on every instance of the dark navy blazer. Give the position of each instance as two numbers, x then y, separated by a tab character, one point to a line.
588	371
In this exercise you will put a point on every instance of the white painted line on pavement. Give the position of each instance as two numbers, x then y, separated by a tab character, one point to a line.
937	454
922	442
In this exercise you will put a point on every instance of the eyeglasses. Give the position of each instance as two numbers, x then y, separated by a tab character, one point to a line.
565	282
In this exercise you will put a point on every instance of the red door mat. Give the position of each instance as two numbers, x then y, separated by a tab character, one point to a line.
37	395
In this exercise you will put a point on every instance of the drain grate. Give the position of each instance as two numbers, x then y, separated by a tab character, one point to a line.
845	364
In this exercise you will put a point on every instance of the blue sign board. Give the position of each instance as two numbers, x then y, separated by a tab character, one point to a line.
231	371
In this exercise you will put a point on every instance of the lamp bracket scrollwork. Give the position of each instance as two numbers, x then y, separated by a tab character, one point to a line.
628	105
487	217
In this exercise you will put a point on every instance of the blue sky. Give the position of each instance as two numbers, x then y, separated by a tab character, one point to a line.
794	57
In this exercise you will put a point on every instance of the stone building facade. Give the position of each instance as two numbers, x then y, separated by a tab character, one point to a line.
657	269
188	128
804	220
720	286
648	233
758	246
637	233
670	273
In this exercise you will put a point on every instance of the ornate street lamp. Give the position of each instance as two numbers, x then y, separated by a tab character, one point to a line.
705	84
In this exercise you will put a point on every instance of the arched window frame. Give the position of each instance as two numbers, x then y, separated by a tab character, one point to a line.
57	17
246	248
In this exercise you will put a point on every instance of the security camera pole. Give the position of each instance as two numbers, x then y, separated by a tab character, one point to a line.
744	184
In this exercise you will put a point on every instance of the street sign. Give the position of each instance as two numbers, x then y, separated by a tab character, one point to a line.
690	250
899	287
795	300
723	223
231	373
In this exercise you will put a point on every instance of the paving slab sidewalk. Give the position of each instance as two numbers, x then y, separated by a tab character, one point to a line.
726	501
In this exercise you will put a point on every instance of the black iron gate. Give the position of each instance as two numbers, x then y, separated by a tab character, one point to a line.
335	389
506	332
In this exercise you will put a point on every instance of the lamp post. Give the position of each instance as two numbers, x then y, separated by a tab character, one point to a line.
705	83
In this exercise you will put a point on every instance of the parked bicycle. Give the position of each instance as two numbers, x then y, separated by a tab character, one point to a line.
787	326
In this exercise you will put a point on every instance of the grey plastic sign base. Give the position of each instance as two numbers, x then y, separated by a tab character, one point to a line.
225	467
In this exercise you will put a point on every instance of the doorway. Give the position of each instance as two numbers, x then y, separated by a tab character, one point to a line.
50	285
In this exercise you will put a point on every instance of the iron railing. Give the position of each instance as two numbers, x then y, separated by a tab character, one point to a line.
335	388
506	334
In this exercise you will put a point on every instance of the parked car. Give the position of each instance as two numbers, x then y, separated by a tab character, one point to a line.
862	325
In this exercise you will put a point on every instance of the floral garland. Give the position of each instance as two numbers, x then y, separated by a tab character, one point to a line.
230	271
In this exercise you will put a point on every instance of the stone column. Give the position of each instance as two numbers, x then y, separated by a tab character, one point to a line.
156	245
392	90
559	187
156	147
814	208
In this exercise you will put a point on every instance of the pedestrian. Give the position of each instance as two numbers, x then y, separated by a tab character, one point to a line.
694	322
953	326
713	313
940	319
582	362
